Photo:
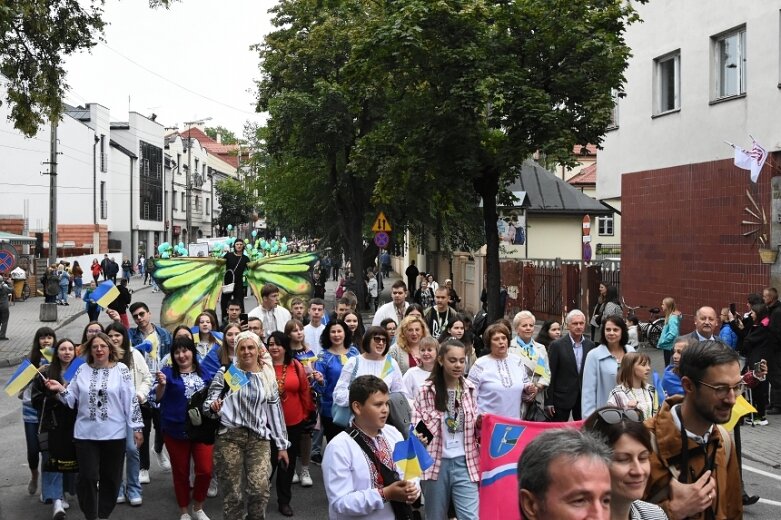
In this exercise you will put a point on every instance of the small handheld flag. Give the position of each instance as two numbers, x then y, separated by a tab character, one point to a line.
105	293
74	366
660	394
740	409
196	332
20	378
387	368
235	378
48	354
210	363
411	457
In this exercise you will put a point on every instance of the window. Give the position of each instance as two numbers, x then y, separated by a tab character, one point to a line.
605	225
667	87
173	201
208	206
614	113
178	164
184	202
729	51
103	201
145	214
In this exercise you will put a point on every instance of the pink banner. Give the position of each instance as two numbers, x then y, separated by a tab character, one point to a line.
503	440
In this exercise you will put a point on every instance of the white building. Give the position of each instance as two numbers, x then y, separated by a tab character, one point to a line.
701	73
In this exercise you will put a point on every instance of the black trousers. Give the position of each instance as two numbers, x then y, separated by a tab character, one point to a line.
285	478
330	429
774	377
562	414
99	461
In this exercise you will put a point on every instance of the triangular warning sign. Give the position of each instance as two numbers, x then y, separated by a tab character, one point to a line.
381	223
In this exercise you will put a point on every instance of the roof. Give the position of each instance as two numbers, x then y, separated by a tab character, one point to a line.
11	238
585	177
122	149
226	152
547	194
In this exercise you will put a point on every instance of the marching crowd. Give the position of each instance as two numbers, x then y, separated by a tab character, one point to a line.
236	405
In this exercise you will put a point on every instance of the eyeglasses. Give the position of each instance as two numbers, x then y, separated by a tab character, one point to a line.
615	416
379	339
139	315
722	391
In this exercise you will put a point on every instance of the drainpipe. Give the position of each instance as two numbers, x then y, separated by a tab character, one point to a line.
95	232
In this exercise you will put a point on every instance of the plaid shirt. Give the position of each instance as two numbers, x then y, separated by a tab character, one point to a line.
425	410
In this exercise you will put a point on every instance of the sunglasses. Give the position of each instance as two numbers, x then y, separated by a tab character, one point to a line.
379	339
139	315
615	415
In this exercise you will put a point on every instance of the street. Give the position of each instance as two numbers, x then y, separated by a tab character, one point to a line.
762	474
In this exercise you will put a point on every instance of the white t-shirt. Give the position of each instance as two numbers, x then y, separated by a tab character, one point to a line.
413	380
312	337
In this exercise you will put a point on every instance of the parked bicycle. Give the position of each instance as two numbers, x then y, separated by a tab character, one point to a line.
648	332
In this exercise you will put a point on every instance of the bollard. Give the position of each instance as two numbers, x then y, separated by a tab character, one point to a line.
48	312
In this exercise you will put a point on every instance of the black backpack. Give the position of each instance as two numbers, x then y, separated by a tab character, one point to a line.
199	426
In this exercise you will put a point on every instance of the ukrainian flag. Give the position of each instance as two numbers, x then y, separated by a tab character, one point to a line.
74	366
105	293
660	395
235	378
48	354
196	332
387	368
739	410
21	378
411	457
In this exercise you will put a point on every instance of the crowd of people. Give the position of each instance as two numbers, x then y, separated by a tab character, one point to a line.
320	387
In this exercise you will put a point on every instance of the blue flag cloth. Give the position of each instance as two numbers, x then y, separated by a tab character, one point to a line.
660	395
75	364
105	293
210	363
411	457
235	378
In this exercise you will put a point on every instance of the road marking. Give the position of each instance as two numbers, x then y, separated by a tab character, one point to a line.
769	502
763	473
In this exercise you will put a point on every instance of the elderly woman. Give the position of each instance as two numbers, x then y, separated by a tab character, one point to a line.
533	354
500	377
105	400
406	350
250	419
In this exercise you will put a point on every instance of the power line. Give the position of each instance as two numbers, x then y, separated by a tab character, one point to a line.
172	82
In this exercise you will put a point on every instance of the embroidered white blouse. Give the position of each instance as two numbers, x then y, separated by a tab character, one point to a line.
499	384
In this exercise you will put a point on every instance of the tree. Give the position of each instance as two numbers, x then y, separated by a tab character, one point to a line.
35	37
480	86
226	136
236	202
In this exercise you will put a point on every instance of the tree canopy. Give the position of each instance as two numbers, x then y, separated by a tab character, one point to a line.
35	37
236	202
226	136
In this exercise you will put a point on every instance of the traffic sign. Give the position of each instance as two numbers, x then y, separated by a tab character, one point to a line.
7	261
381	224
381	239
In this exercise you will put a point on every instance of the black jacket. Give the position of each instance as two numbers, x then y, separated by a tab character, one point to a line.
566	380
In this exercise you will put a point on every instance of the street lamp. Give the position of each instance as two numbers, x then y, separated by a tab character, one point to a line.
188	186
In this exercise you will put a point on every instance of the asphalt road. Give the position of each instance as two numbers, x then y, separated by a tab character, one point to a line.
311	503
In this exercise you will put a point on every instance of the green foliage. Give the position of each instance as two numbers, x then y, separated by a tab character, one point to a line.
237	202
35	36
226	135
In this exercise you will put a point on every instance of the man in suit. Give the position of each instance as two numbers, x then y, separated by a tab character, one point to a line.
566	356
706	324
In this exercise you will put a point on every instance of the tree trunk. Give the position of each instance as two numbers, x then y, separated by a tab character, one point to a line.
488	188
355	253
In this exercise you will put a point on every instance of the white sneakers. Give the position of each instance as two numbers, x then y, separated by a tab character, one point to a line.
163	460
136	501
143	476
198	515
185	516
306	478
213	489
58	511
296	479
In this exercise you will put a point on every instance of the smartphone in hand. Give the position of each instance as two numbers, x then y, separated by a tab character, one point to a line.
244	318
422	429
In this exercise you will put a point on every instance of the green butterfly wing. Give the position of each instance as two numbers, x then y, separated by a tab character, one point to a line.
191	285
288	272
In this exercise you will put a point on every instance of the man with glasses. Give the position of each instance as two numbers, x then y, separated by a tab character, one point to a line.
694	467
144	330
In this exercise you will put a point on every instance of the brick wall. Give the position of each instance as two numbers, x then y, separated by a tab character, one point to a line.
682	236
12	225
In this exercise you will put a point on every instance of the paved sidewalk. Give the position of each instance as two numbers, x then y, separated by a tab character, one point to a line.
24	321
760	443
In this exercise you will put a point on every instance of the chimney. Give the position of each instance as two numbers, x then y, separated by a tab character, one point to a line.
219	137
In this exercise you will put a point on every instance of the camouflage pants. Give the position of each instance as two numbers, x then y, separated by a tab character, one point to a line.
243	462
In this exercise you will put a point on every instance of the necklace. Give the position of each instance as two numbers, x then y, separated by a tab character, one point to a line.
453	421
504	373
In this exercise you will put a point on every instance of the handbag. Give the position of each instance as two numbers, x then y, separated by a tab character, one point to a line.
535	412
199	426
228	288
43	435
341	414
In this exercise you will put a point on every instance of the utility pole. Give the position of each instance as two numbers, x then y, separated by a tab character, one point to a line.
53	196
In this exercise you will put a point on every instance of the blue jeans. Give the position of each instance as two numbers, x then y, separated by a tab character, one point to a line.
452	483
53	484
131	486
77	284
317	442
64	293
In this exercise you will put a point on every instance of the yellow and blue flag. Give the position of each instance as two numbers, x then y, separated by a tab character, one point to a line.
196	332
105	293
48	354
75	364
210	363
387	368
411	457
235	378
660	395
21	377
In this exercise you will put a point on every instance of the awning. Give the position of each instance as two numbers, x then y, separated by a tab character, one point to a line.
17	240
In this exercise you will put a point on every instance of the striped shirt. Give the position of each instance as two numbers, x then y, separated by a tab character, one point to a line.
646	511
250	408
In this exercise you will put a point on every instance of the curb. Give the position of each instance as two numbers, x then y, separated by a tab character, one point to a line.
11	362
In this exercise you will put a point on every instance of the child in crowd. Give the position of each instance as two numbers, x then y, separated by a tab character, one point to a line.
631	322
633	390
416	376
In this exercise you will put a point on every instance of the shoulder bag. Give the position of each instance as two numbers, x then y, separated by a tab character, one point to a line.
199	426
341	414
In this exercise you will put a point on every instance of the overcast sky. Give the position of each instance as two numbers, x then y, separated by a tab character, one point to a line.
191	62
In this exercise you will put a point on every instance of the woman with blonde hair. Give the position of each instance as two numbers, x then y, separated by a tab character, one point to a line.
671	329
406	350
250	419
534	355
